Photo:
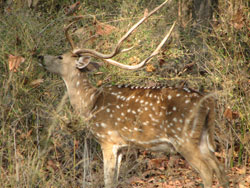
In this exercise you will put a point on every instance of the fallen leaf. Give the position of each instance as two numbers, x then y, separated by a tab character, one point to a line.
14	62
230	115
134	60
103	29
99	83
150	68
238	20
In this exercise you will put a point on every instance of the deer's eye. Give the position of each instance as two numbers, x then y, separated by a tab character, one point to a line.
60	57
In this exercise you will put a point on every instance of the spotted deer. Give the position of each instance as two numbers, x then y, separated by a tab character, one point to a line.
152	118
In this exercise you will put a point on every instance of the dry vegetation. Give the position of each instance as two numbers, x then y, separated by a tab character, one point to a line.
43	144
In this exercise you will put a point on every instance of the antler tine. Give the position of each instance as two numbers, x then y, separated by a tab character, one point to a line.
118	46
68	37
157	50
66	30
141	64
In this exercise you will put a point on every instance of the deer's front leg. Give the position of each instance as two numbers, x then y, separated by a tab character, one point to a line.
112	162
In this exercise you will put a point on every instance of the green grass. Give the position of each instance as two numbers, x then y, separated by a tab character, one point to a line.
39	132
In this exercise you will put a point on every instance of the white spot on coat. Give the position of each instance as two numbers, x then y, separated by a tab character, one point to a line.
169	97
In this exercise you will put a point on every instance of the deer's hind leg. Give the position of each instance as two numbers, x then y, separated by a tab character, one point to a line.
198	161
205	162
217	168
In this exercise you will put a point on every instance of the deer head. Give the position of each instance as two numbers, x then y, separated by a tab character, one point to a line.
68	62
156	119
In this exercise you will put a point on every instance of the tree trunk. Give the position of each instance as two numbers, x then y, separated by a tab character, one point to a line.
197	13
203	12
195	18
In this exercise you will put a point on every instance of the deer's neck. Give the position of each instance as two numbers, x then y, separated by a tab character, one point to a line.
81	93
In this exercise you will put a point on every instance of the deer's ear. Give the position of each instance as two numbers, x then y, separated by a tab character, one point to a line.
83	62
94	66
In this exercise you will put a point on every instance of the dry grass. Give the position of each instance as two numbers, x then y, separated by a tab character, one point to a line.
43	144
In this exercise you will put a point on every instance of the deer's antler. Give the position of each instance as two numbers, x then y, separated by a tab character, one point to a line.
142	63
117	49
118	45
66	30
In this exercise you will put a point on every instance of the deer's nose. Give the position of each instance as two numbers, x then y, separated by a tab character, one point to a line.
41	60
